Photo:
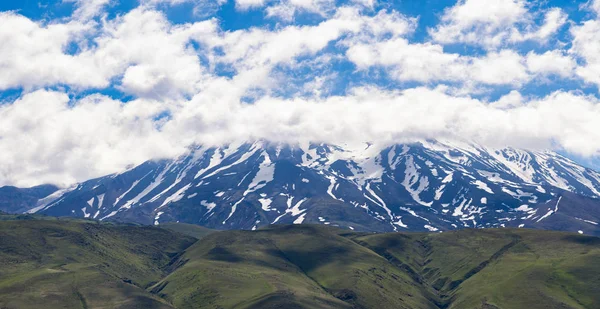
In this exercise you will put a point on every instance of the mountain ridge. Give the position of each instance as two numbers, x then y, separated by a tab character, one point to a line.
426	186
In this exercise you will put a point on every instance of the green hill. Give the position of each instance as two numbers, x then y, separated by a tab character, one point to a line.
193	230
73	264
83	264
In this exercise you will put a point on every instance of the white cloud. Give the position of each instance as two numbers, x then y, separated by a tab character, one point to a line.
384	24
429	63
479	21
178	70
64	143
511	100
34	55
254	53
154	57
248	4
594	5
551	62
366	3
553	20
503	68
409	62
51	141
586	46
87	9
202	8
493	23
283	11
287	9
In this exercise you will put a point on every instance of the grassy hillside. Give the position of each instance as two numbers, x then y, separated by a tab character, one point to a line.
499	268
193	230
82	264
75	264
304	266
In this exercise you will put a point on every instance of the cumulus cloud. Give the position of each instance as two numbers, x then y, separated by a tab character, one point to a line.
54	140
40	127
493	23
287	9
366	3
357	75
370	114
87	9
551	62
35	55
594	5
586	45
429	63
202	8
247	4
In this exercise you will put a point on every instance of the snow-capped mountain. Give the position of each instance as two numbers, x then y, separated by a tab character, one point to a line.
427	186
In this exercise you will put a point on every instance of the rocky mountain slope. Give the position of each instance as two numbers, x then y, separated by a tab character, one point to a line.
19	200
427	186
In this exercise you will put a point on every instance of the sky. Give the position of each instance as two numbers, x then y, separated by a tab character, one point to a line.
92	87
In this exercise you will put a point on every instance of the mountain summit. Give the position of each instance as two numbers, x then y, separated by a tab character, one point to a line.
426	186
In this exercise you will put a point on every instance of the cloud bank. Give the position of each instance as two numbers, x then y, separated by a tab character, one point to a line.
98	92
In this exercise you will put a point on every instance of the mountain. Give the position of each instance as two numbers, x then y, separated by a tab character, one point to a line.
426	186
76	263
19	200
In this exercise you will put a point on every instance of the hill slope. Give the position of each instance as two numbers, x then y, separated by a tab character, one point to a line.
74	264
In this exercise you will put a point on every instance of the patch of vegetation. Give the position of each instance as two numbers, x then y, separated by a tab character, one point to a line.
62	263
73	264
193	230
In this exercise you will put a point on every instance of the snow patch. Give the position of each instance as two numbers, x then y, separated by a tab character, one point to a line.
100	200
483	186
300	219
412	178
332	186
431	228
85	214
263	176
524	208
177	196
233	209
157	217
265	203
209	206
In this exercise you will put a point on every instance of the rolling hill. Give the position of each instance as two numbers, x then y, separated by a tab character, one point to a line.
65	263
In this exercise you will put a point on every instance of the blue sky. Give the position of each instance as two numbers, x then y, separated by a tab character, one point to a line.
230	17
90	87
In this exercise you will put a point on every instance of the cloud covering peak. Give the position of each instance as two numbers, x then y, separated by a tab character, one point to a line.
105	86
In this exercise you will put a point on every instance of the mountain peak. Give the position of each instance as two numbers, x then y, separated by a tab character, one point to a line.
425	186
